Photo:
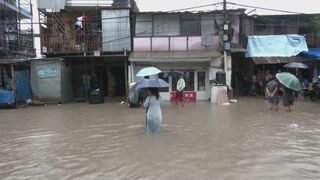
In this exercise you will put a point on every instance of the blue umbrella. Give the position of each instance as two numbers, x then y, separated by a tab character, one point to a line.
151	83
148	71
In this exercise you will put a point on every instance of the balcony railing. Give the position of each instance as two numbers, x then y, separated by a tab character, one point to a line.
180	43
79	43
18	44
103	3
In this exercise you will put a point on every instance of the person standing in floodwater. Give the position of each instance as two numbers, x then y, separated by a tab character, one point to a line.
153	105
181	84
288	98
272	94
111	85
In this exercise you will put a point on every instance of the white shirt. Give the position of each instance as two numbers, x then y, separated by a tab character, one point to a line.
181	85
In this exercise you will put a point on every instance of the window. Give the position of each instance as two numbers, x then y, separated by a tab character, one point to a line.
166	25
190	25
143	25
201	81
165	77
188	78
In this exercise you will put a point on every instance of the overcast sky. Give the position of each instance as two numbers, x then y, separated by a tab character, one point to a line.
305	6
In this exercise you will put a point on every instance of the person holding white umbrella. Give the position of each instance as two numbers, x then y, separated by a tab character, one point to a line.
146	73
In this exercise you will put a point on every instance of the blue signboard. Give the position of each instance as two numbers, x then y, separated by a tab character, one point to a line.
48	70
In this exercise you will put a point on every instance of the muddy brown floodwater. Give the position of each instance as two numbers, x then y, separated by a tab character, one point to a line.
200	141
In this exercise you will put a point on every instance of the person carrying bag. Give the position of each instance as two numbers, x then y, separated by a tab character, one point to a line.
153	105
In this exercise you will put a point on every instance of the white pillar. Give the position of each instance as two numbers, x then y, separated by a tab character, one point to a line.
132	72
195	81
228	70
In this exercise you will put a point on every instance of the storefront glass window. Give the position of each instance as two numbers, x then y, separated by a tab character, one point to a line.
165	77
201	81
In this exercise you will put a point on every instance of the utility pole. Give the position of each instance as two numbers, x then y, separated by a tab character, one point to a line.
224	10
226	50
226	43
225	25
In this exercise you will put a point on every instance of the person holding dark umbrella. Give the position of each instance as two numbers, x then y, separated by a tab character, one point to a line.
153	105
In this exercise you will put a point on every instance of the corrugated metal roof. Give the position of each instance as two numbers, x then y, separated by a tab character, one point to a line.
179	56
278	60
239	10
13	61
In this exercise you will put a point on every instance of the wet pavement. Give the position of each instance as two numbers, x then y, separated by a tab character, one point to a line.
199	141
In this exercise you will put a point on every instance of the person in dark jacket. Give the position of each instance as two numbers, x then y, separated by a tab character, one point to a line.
288	98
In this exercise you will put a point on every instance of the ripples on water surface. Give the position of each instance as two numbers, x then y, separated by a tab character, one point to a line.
200	141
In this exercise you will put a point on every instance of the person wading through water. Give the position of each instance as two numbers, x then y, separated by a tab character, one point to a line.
181	84
153	105
272	94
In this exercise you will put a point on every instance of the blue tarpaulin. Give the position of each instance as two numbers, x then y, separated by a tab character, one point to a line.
275	45
313	53
6	97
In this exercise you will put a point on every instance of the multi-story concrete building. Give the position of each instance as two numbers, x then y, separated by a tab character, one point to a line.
16	48
16	33
93	38
185	42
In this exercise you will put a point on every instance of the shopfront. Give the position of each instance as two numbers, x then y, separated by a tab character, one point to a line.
196	84
196	73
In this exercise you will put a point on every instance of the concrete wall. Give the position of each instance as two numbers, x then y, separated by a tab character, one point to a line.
45	87
66	82
215	66
116	33
49	4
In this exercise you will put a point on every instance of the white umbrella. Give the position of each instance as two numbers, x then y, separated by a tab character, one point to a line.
148	71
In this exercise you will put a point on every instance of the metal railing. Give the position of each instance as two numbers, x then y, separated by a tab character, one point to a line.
12	45
79	43
177	43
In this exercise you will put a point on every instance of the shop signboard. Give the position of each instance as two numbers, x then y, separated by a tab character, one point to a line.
46	71
187	96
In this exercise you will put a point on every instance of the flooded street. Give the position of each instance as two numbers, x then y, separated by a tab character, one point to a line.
200	141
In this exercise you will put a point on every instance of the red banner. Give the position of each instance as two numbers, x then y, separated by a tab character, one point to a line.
187	96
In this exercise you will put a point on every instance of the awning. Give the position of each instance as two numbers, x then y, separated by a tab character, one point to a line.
181	56
278	60
313	53
13	61
275	45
